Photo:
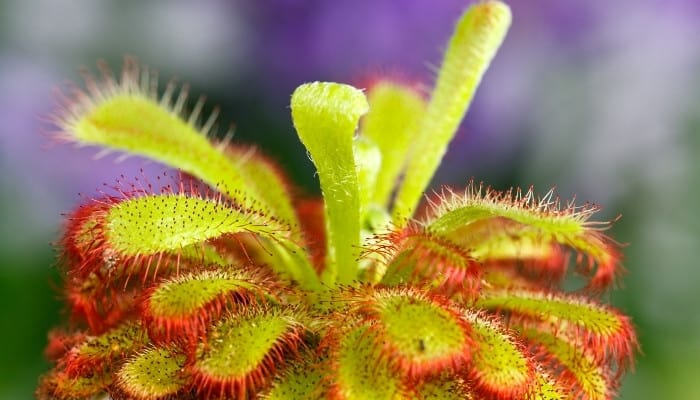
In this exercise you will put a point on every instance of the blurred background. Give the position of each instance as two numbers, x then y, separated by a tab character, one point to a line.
600	99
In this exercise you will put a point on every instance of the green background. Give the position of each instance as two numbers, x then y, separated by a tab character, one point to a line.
599	99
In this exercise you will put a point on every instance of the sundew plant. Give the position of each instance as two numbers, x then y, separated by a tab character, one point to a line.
222	282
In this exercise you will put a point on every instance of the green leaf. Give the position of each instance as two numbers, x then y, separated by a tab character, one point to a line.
139	231
303	380
325	117
288	259
548	389
442	388
243	351
170	222
128	116
185	305
474	43
368	160
600	328
412	255
86	248
527	254
574	366
291	260
359	372
498	224
500	366
97	353
264	176
393	121
419	334
457	212
59	385
153	374
95	301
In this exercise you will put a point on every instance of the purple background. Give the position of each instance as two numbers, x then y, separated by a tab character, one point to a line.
598	98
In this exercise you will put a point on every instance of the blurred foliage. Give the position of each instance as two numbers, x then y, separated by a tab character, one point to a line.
599	98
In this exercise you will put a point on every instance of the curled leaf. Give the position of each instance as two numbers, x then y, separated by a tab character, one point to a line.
358	371
417	333
500	367
517	225
100	353
599	328
303	380
413	255
576	368
155	373
58	385
243	351
183	307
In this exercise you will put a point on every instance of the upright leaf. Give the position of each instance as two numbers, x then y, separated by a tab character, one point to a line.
395	114
476	38
326	116
128	115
